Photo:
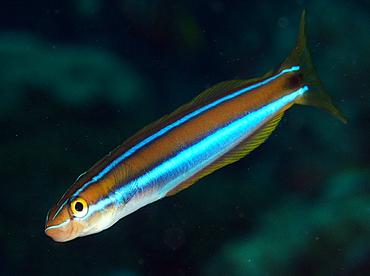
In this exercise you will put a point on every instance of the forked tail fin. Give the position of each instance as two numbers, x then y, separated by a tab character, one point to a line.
316	95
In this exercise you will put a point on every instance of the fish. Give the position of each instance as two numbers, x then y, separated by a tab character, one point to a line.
216	128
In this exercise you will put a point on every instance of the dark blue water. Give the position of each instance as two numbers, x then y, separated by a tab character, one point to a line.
79	77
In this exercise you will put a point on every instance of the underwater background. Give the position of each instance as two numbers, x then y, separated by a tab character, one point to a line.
79	77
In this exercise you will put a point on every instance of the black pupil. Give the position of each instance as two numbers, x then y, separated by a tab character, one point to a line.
79	206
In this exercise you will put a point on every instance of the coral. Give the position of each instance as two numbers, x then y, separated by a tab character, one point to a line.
73	74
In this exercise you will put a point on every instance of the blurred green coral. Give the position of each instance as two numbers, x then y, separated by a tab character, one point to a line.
299	235
74	74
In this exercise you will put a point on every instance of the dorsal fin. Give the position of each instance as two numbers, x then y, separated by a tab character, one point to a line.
207	95
219	89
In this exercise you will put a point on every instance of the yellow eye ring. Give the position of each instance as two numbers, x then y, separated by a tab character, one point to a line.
79	207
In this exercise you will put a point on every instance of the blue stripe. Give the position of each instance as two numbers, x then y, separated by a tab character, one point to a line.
64	223
195	158
179	122
198	156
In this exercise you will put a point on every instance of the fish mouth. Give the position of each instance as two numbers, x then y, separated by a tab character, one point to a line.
61	232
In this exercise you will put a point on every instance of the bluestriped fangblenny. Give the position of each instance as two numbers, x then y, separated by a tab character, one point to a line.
218	127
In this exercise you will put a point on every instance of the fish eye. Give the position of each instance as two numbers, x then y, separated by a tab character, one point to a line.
79	207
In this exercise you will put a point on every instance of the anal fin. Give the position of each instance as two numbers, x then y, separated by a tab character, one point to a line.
234	155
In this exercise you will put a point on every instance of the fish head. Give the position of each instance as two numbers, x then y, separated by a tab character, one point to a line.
78	216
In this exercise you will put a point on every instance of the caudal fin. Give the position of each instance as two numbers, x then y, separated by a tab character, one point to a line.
316	95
